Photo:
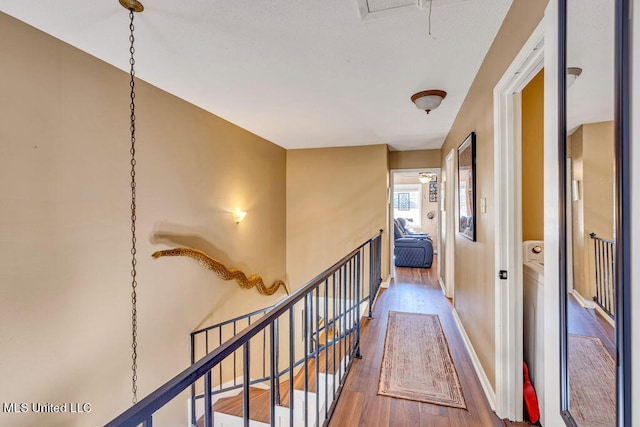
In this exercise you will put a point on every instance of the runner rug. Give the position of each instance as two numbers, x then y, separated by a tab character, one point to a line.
417	364
592	382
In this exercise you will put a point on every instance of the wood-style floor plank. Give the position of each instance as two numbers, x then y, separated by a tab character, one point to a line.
588	322
413	290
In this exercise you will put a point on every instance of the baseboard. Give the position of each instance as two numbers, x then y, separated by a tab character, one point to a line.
605	316
585	303
385	283
482	376
442	285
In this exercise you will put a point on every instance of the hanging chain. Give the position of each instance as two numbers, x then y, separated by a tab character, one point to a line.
430	6
134	283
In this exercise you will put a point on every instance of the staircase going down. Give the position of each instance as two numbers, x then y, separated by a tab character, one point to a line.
228	411
276	361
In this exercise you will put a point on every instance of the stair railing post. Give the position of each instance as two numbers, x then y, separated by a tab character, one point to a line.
208	416
235	363
371	276
246	381
276	351
306	366
341	318
220	365
349	306
193	386
292	355
358	355
273	374
317	354
335	330
326	347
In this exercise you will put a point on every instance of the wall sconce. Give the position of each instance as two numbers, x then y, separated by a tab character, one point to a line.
238	216
428	100
575	190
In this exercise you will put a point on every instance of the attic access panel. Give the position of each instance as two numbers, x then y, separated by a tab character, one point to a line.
381	5
381	8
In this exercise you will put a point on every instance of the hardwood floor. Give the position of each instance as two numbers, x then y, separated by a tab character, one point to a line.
414	290
586	321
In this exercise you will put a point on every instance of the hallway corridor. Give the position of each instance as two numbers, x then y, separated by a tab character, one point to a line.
413	290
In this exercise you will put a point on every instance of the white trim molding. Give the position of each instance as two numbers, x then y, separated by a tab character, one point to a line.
550	409
585	303
450	226
442	286
475	361
385	283
508	244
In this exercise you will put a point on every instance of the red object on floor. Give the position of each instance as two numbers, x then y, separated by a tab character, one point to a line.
530	398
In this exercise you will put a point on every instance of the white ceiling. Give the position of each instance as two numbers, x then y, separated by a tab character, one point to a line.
590	46
299	73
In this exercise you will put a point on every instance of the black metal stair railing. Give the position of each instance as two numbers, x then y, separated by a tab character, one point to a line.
212	337
318	326
604	259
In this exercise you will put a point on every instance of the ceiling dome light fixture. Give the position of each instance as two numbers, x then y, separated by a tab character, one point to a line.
572	74
428	100
132	5
425	177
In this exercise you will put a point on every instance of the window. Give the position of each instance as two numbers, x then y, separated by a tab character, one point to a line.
407	203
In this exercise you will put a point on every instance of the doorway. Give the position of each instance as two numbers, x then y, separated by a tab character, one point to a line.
414	197
509	235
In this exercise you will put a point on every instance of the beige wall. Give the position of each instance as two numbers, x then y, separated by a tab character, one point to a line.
336	199
65	313
415	159
475	276
592	146
533	159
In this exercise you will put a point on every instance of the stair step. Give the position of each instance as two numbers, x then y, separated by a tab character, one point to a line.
233	405
259	398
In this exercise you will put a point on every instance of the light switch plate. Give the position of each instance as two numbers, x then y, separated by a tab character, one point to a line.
483	205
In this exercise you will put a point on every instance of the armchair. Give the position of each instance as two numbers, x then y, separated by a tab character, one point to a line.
411	251
402	223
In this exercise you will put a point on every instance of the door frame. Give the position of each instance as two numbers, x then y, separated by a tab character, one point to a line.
392	173
508	243
450	225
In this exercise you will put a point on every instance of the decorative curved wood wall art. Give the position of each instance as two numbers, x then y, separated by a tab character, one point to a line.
223	272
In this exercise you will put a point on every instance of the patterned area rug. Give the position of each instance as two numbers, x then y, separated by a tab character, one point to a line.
592	382
417	364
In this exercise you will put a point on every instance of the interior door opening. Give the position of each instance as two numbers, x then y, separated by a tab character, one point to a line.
414	213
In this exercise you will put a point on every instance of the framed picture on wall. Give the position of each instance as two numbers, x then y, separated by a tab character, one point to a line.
433	192
467	187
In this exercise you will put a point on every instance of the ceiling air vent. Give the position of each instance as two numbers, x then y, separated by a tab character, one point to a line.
381	8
